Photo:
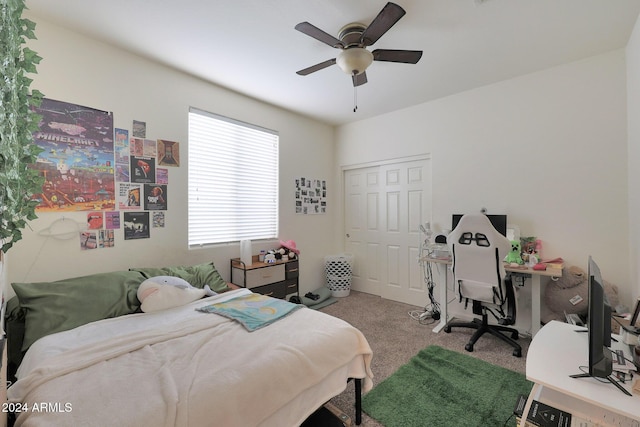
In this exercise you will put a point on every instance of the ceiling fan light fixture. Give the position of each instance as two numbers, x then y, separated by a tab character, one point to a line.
354	60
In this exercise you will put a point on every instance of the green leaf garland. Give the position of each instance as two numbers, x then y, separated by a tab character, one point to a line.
18	121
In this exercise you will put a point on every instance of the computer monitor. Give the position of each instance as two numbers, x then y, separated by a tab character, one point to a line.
599	325
599	330
636	315
499	222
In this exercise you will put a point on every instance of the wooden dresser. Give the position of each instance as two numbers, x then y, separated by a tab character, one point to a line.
278	279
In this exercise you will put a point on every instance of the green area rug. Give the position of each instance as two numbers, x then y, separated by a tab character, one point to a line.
441	388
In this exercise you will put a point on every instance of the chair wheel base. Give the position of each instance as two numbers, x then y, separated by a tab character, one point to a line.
506	334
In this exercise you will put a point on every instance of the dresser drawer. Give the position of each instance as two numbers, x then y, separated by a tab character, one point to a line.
275	290
291	287
258	276
291	270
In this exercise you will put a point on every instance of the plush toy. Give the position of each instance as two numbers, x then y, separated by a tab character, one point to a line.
163	292
290	249
277	254
570	294
514	257
286	251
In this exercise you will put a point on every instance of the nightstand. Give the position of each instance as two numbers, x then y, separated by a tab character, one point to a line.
277	279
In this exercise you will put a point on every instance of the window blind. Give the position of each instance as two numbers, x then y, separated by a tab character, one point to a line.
233	180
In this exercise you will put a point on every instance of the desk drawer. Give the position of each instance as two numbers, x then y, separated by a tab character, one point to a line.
264	276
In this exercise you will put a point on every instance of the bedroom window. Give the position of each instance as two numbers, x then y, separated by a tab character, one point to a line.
233	180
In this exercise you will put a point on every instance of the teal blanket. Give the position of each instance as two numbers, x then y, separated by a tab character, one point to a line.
253	311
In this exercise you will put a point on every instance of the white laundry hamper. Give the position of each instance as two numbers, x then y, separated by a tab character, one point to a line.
338	269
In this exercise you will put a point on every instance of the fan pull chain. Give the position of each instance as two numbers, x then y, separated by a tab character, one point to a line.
355	93
355	99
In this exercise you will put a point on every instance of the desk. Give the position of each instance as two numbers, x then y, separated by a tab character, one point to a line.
535	290
556	352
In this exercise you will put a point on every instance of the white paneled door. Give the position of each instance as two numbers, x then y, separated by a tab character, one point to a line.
384	207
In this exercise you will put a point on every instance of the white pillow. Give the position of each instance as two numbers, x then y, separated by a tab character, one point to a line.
163	292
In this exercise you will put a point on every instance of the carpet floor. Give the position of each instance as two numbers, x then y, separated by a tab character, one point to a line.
395	338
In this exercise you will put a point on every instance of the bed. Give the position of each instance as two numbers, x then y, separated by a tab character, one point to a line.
176	367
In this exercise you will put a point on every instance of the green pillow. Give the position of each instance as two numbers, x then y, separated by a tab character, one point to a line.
197	275
59	306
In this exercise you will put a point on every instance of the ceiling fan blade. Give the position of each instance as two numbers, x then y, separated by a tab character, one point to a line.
359	79
392	55
318	34
317	67
388	16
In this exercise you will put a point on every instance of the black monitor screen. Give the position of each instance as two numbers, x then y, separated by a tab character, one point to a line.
599	324
599	329
636	314
499	222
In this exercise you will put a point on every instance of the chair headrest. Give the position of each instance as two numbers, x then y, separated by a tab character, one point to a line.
477	249
476	229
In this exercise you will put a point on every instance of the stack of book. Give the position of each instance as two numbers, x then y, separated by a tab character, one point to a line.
541	414
556	263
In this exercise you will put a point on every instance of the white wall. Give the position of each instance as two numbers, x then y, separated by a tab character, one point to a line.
633	112
549	149
82	71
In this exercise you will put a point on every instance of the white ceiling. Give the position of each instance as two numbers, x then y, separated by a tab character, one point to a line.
251	46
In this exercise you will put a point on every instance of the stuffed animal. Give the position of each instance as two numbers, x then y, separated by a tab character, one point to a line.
277	254
570	294
514	255
163	292
286	251
291	251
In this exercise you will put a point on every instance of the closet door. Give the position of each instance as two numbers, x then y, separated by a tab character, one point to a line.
384	207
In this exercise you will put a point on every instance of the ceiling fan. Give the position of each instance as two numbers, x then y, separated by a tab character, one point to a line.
352	41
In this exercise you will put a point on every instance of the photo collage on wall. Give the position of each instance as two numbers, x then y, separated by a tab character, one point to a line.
88	165
311	196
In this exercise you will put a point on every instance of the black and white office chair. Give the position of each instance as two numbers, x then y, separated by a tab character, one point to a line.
478	250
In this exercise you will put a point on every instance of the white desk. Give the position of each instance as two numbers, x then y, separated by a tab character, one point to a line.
557	352
535	290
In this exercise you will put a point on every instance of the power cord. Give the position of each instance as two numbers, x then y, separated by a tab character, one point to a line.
435	306
424	317
431	312
507	420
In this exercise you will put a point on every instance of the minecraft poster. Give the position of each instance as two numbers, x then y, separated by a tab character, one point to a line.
77	161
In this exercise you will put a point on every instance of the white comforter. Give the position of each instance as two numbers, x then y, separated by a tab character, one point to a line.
181	367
